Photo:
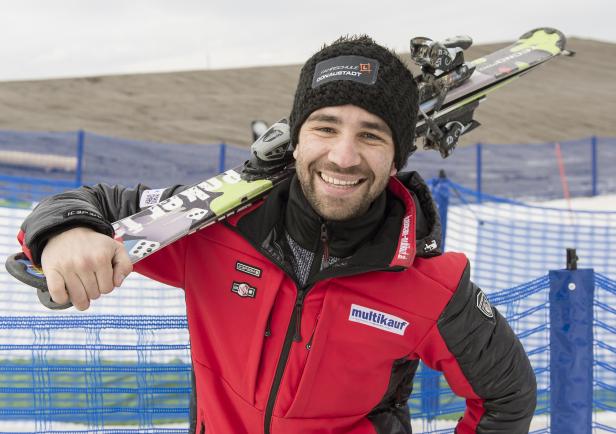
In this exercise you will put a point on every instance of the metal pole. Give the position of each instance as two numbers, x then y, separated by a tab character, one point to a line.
80	144
222	158
593	150
441	197
479	169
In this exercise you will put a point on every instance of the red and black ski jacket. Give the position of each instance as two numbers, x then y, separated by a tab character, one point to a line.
337	354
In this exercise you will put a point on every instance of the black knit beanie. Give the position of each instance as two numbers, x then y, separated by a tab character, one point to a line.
356	70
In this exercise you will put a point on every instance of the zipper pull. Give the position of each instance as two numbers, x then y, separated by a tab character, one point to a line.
299	304
309	344
324	240
268	326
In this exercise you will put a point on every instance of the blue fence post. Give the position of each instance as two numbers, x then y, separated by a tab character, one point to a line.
593	150
571	351
81	137
440	193
222	155
479	169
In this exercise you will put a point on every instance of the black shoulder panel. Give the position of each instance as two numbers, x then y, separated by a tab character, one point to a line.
95	207
491	358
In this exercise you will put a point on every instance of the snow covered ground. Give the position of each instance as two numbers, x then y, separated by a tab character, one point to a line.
597	203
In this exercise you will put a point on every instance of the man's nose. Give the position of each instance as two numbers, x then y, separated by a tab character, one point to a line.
344	152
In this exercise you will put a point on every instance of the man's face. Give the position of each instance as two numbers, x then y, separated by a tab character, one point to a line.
344	158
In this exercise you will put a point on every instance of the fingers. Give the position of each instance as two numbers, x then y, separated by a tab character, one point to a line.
80	287
122	266
104	279
56	287
76	291
81	264
89	283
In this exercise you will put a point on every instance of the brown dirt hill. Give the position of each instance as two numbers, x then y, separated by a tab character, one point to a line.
565	99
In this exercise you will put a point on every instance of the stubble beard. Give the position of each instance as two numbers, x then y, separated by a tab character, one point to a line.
340	209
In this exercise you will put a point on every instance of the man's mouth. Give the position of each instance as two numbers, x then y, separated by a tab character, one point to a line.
340	182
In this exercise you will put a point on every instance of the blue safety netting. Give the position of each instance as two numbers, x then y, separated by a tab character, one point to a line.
123	367
529	171
509	242
100	371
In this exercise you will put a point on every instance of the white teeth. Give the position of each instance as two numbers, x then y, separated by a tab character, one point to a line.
336	181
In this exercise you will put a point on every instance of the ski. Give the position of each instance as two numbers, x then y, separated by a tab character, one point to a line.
450	89
194	208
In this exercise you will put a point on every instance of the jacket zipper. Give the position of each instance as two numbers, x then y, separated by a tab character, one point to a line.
324	243
284	356
321	256
294	330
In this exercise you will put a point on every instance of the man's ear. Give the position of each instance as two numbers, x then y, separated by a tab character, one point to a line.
393	169
295	151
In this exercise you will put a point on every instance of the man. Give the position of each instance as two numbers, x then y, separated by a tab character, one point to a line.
335	284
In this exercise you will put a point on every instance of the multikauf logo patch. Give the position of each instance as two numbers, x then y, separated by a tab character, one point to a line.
484	305
243	289
377	319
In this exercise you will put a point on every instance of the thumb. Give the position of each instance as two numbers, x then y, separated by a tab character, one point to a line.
122	266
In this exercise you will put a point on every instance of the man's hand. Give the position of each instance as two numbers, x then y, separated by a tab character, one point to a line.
81	264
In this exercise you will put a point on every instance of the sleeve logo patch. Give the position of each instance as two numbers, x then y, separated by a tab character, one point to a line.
150	197
430	247
484	305
247	269
243	289
82	212
379	320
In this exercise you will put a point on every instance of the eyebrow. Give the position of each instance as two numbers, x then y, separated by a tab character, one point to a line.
377	126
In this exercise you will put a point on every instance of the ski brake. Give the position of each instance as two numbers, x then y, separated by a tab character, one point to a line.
442	69
270	153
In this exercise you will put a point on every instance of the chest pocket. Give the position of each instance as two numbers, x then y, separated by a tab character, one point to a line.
229	299
353	351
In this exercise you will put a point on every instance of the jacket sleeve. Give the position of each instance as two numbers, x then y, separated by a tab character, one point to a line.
96	207
484	362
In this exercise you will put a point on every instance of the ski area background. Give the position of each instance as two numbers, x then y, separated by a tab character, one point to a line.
57	372
567	98
135	124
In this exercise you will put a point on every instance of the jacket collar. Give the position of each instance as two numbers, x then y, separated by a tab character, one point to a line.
408	226
304	225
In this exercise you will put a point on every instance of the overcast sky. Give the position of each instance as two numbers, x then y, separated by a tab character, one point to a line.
68	38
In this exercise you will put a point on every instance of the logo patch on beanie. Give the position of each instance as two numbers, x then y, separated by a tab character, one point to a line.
355	68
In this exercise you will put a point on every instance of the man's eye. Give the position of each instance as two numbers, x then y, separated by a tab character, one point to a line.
327	130
371	136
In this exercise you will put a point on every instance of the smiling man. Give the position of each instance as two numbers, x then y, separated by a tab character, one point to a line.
345	160
310	311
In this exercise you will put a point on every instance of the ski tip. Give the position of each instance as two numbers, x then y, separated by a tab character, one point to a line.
560	42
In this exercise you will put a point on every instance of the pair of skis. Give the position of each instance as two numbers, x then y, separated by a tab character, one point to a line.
450	90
